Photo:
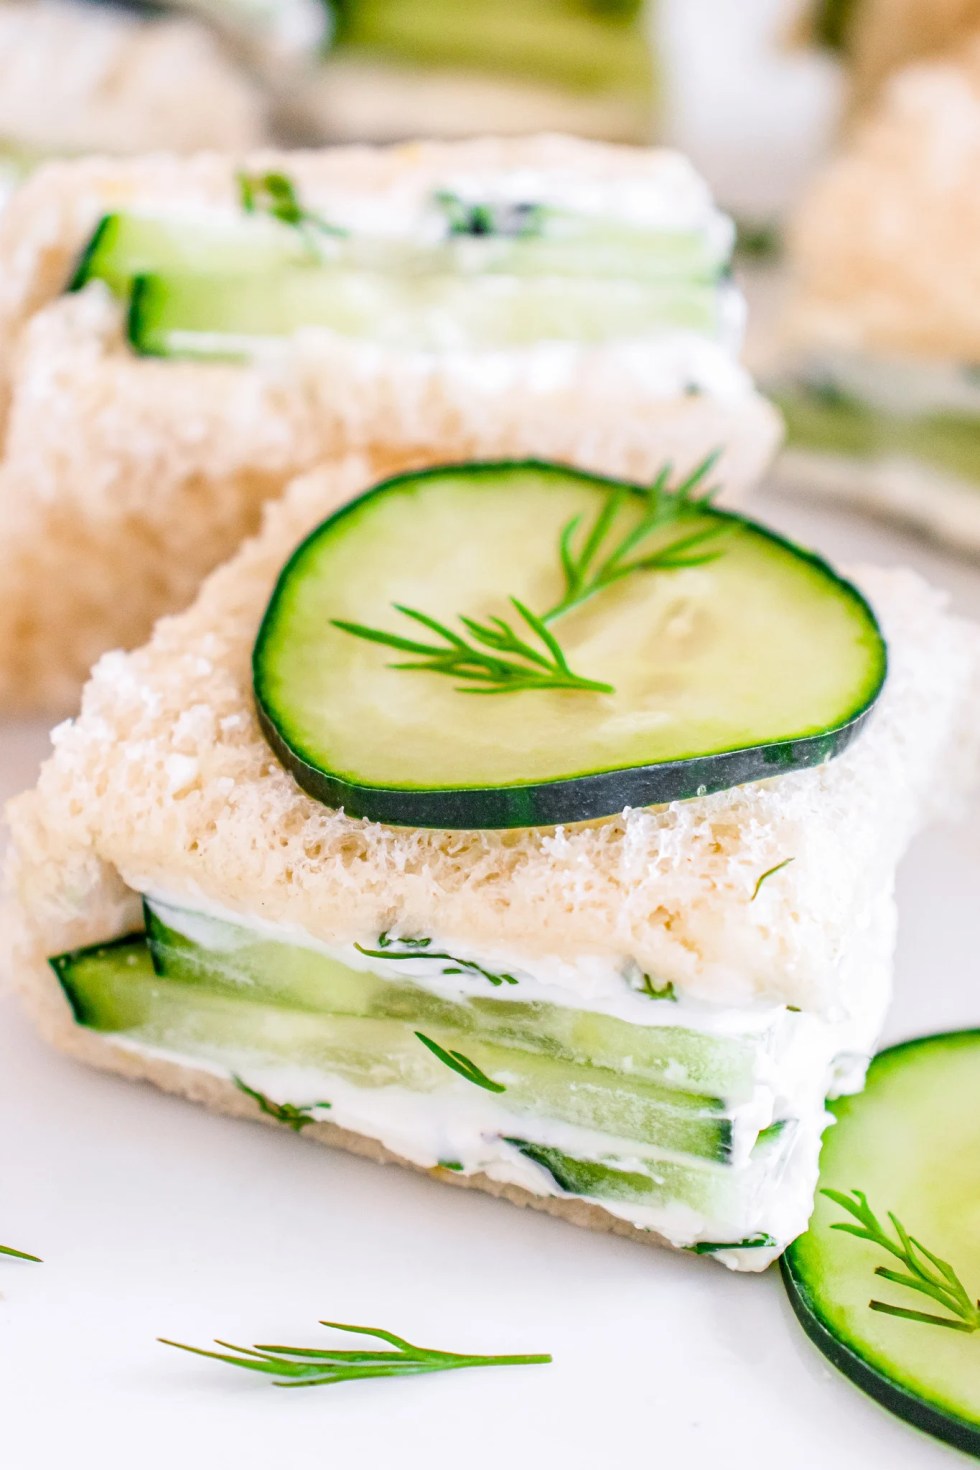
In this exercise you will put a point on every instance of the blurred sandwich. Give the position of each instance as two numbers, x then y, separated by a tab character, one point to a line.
86	79
451	68
883	404
181	337
631	1022
879	37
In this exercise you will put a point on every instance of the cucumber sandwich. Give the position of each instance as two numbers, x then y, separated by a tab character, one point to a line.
529	827
113	75
183	336
881	391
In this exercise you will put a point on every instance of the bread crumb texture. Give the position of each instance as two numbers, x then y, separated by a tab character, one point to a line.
165	783
124	480
884	243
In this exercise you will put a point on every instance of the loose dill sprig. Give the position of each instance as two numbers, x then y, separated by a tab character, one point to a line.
275	194
494	659
598	562
293	1116
418	949
291	1367
8	1250
461	1064
924	1272
769	873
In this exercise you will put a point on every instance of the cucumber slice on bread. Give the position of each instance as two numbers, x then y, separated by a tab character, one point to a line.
911	1145
518	644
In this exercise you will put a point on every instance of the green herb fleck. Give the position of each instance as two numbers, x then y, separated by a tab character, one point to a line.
769	873
657	992
752	1242
291	1367
494	659
453	1164
294	1117
461	1064
8	1250
418	949
511	221
275	194
923	1272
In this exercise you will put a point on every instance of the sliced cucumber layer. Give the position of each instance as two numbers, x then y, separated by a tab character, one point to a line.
231	318
911	1145
237	962
115	989
753	660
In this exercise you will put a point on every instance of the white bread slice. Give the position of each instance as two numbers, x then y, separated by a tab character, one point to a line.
165	783
123	84
124	480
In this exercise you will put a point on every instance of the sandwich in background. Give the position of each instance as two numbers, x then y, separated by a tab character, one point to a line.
89	79
453	68
881	390
183	336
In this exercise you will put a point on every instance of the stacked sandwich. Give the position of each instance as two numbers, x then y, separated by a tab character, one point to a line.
123	84
181	337
487	825
884	400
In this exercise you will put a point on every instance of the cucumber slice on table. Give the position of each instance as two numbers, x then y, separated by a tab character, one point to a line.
911	1144
725	655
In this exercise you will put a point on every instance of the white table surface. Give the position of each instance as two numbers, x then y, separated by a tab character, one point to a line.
156	1218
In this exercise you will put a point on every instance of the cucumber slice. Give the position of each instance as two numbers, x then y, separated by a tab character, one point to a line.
761	662
911	1143
126	246
230	318
236	961
114	989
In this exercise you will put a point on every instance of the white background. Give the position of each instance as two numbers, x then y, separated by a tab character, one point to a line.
155	1218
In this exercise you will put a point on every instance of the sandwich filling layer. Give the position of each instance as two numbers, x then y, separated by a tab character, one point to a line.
588	1079
478	262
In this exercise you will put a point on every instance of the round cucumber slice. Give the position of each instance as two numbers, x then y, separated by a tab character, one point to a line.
737	656
911	1144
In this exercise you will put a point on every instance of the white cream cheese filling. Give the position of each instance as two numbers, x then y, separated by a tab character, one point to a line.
796	1060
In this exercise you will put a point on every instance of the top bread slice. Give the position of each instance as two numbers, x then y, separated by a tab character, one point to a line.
123	480
165	784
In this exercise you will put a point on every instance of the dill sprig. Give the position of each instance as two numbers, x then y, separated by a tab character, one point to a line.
769	873
599	561
8	1250
291	1367
292	1115
461	1064
418	949
759	1241
493	659
924	1272
275	194
511	221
